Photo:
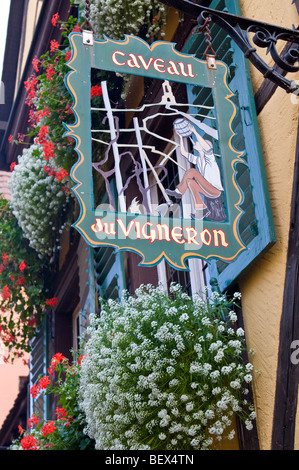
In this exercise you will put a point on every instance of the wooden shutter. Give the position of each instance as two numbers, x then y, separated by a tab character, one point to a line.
109	266
256	228
110	273
38	368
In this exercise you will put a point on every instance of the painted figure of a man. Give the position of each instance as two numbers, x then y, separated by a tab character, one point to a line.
202	180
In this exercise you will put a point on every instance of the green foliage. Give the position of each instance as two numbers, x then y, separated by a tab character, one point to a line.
22	283
67	431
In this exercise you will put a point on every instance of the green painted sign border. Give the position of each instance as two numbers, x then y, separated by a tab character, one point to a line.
157	63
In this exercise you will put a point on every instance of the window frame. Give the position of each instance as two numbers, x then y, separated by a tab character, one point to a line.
265	238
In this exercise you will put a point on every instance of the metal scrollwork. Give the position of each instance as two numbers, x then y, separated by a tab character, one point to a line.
262	38
249	35
258	36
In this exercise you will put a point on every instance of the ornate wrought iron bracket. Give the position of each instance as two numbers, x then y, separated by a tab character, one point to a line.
249	35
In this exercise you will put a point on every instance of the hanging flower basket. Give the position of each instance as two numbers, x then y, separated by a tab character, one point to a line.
164	372
115	19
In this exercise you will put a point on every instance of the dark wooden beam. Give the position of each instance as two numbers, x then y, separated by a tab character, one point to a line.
297	4
248	439
286	395
18	119
11	57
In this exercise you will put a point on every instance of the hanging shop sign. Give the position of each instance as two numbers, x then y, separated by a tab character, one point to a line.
167	167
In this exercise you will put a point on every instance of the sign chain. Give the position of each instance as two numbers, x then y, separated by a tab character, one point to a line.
87	16
204	26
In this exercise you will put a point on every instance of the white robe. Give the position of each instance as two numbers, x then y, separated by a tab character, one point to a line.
208	168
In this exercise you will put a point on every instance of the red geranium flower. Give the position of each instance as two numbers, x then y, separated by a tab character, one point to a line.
48	428
48	148
60	413
34	391
31	321
58	357
29	443
53	45
55	19
22	266
43	382
21	280
5	292
68	56
35	63
32	421
30	85
42	134
41	113
52	302
50	72
96	90
61	174
20	429
49	170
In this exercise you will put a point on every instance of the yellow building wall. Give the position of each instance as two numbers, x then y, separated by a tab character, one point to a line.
263	285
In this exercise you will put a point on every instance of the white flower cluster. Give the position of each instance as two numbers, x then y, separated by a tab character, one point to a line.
37	200
157	375
115	19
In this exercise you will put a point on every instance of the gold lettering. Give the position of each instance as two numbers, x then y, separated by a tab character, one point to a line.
172	70
157	66
163	228
111	230
125	231
138	231
203	237
115	61
98	226
189	72
191	234
220	233
177	236
133	62
152	234
144	64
